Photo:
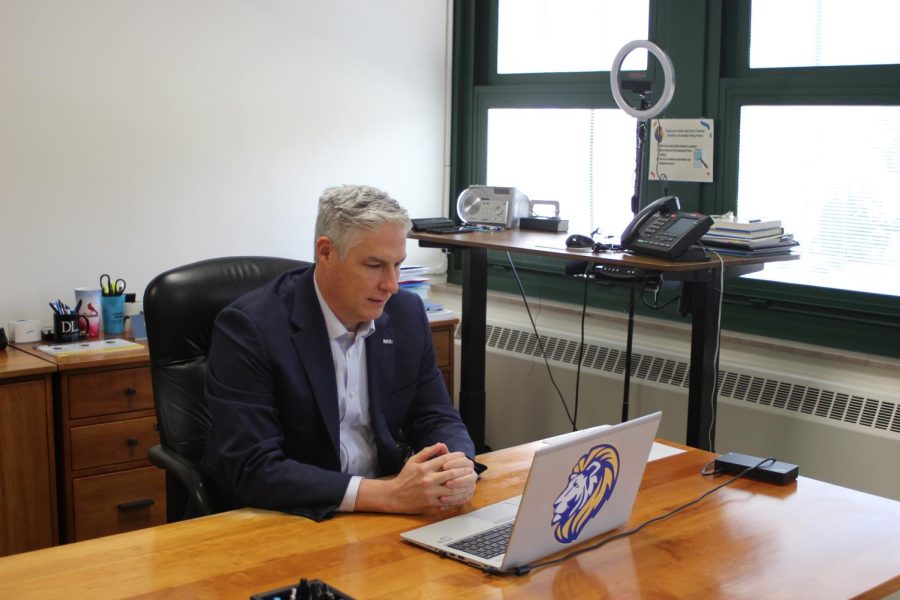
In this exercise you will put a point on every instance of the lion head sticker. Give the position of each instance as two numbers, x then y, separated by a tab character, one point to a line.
590	485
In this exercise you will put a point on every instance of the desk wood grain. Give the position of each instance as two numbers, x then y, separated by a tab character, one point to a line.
15	364
751	540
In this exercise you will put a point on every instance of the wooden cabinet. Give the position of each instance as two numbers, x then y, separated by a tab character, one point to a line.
442	333
106	424
28	518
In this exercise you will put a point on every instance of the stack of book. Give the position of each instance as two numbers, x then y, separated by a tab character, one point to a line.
748	238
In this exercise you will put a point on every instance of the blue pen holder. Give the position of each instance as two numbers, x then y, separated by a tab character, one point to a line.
112	309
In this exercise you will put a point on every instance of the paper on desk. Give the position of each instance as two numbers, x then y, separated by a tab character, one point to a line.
95	346
440	315
657	451
662	451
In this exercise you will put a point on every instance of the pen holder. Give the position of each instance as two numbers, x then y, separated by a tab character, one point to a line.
112	310
65	328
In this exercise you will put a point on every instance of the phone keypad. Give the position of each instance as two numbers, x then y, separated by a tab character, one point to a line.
651	235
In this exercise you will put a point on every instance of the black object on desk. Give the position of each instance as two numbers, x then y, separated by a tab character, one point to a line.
307	589
438	225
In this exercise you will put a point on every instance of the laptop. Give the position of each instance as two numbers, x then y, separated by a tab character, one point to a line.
580	485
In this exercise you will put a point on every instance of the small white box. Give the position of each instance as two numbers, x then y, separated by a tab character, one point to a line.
25	330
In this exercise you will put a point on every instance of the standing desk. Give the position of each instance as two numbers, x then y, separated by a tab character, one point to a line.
700	297
754	540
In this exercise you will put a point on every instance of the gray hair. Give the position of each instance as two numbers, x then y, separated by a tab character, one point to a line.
345	211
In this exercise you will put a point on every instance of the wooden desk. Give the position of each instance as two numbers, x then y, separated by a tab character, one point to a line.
750	540
27	465
106	423
700	299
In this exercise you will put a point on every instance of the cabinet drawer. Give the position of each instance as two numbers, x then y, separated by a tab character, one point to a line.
442	341
110	392
112	443
117	502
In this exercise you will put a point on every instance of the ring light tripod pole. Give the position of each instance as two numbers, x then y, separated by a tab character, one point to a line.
642	114
643	90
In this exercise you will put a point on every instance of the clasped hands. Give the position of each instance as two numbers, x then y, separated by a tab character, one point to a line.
432	478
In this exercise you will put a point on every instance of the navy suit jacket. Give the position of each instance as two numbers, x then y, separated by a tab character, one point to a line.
272	397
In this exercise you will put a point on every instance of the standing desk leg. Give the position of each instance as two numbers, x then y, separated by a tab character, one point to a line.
703	303
474	315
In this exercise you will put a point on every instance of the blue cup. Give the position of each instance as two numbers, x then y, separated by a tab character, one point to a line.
112	309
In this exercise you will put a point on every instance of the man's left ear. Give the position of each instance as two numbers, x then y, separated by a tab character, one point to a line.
325	248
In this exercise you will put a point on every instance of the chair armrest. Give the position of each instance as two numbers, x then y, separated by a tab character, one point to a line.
187	474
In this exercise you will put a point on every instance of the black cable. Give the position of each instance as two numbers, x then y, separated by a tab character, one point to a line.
629	340
525	569
540	343
584	299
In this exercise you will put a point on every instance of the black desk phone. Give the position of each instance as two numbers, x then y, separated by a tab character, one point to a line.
661	229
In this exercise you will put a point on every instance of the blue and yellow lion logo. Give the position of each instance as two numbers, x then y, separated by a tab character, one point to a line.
591	484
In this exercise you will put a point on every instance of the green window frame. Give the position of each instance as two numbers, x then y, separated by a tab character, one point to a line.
708	41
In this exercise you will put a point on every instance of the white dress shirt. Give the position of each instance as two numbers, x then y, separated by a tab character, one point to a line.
359	456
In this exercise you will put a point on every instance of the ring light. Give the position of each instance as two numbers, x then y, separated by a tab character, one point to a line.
668	71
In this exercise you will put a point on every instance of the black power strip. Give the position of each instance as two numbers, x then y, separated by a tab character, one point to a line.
780	473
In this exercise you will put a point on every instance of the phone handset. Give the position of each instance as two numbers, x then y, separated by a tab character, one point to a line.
666	204
661	229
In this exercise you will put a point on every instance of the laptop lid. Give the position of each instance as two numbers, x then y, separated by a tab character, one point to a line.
579	488
580	485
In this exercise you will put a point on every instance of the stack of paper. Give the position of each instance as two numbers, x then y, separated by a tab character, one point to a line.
748	238
413	278
437	312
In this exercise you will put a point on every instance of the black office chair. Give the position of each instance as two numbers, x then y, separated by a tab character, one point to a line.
180	307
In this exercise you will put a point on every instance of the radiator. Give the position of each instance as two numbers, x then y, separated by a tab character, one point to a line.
840	429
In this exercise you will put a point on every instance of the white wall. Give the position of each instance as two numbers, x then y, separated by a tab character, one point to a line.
138	135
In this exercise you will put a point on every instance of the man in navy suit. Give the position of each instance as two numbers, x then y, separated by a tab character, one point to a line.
323	382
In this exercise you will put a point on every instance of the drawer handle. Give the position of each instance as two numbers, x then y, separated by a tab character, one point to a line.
136	504
133	441
130	391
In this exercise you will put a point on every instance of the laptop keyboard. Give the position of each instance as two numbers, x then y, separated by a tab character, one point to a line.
487	544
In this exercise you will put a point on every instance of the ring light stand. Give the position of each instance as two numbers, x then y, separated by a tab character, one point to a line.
642	114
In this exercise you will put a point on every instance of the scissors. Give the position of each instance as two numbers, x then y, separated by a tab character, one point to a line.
112	289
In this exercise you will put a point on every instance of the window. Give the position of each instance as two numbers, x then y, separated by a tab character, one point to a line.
820	147
578	148
832	175
805	95
578	157
823	33
553	36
